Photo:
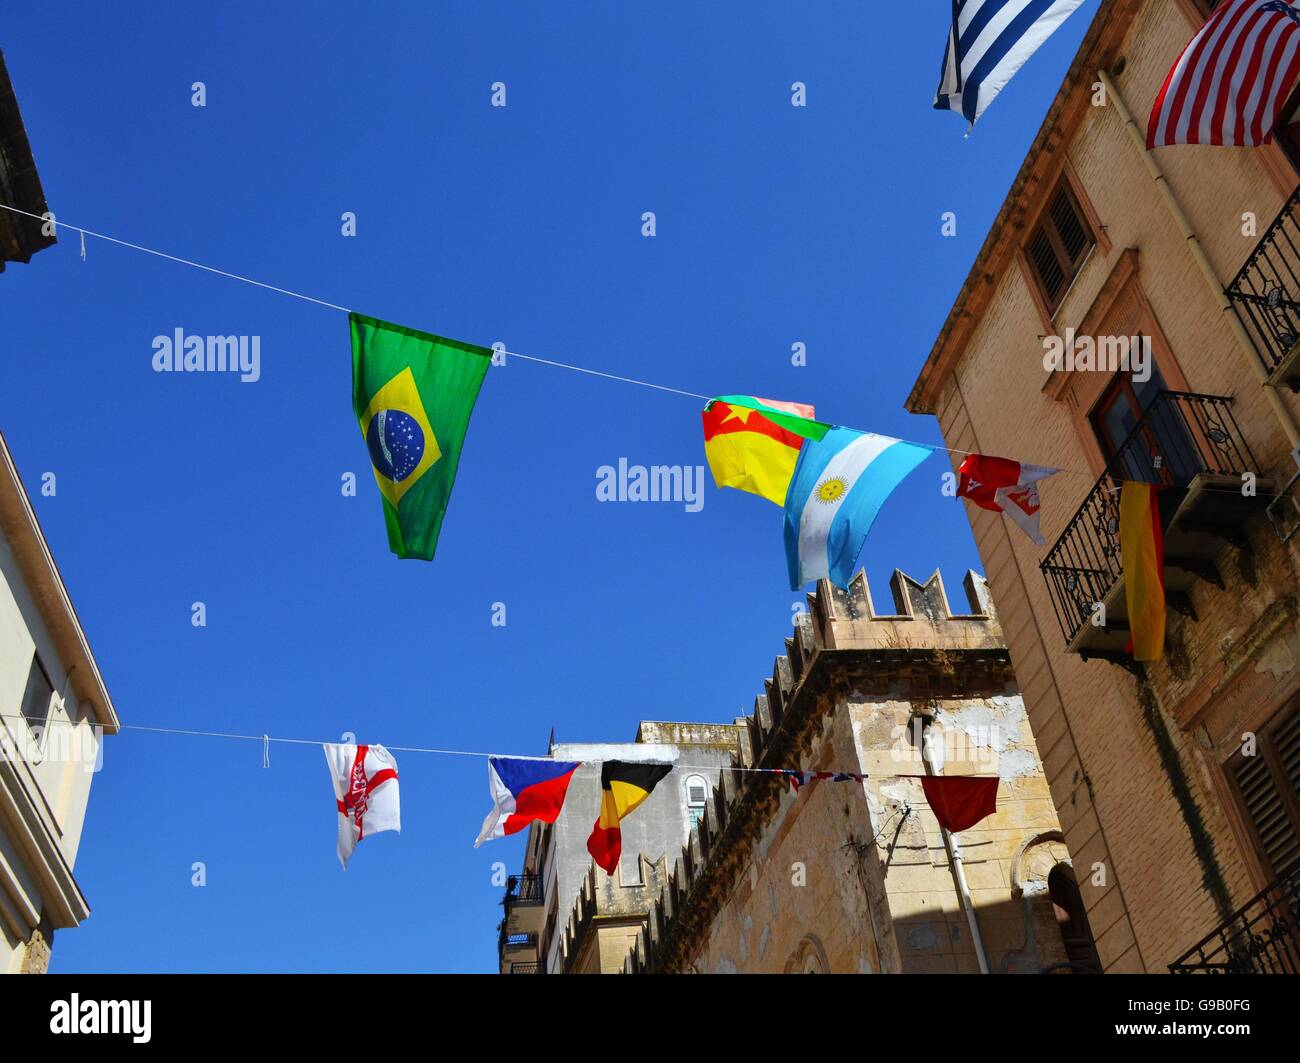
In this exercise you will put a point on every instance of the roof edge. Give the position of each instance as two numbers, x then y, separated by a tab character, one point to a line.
31	550
1098	50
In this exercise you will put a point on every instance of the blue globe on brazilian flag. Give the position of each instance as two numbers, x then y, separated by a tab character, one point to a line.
413	394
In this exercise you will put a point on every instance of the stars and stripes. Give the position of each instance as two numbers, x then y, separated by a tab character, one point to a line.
988	42
1232	79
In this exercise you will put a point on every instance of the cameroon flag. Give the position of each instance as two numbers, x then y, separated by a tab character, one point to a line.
412	394
752	444
623	786
1142	550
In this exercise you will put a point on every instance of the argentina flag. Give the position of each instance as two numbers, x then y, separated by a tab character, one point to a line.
989	41
839	485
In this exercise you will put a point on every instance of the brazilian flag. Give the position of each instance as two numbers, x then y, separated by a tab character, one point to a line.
413	393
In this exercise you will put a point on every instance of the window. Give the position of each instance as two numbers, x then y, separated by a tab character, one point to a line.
629	870
1164	450
1268	788
37	696
1058	245
1287	130
697	797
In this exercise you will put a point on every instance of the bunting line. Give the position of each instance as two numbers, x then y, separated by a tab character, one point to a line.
512	354
265	739
335	306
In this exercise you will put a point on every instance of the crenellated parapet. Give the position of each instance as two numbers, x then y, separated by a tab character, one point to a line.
842	648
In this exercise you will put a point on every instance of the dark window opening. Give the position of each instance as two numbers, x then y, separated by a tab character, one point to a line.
1059	245
37	696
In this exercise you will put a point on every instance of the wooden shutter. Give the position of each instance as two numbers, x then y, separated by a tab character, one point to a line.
1059	245
1269	787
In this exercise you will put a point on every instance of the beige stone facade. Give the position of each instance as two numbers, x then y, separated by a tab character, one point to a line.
1176	784
856	876
54	713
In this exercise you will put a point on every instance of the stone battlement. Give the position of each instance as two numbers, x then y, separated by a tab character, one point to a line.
842	647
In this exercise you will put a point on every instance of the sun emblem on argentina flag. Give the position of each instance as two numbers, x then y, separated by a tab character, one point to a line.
830	489
401	443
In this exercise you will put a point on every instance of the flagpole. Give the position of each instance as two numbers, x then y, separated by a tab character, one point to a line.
954	856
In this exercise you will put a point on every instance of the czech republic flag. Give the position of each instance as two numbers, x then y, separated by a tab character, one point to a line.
522	791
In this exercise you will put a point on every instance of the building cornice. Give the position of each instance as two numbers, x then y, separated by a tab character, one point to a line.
1099	50
62	902
22	530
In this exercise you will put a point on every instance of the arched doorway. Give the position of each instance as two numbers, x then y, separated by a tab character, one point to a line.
1072	920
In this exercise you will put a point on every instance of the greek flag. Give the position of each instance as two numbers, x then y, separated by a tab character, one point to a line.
989	41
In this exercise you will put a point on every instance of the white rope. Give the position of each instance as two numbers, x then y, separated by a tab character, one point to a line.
266	739
525	357
609	376
174	258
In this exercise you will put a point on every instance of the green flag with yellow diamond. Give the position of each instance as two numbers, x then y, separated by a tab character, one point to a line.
413	393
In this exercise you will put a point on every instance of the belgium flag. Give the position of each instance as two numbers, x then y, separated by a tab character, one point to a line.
623	786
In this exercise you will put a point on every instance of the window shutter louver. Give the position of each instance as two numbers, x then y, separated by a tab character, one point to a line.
1059	245
1260	784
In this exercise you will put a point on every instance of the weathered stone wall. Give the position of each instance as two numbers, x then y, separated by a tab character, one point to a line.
852	876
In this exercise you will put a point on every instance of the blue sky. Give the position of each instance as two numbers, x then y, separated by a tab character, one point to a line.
776	225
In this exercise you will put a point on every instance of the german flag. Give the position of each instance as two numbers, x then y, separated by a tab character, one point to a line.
752	444
623	786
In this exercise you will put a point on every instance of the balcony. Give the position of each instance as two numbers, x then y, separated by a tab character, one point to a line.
518	952
1191	445
1262	937
523	904
1265	296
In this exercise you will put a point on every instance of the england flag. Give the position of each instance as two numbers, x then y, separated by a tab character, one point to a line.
365	791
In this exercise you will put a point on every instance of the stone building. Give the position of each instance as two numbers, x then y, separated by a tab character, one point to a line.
54	712
857	876
20	185
563	914
1177	783
54	709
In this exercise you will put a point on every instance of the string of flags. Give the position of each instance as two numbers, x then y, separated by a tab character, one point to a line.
414	392
367	790
531	790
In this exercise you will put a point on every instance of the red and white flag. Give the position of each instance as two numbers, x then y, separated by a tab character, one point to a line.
1004	486
1232	78
365	790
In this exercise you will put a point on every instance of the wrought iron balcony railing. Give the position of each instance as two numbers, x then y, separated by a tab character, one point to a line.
527	968
526	889
1262	937
1265	295
1182	441
517	941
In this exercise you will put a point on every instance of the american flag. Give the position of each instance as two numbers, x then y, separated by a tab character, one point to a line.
1232	78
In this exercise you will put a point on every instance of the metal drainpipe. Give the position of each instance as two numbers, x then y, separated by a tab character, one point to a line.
1158	176
954	856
